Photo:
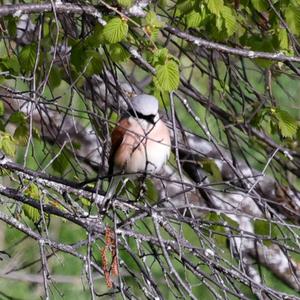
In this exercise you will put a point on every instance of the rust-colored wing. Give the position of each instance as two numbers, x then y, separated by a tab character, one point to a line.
116	140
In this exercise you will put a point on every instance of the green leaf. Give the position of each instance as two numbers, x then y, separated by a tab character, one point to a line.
292	17
193	19
2	109
266	229
8	145
185	6
92	63
260	5
151	191
283	38
27	57
12	26
84	201
210	166
118	53
219	23
77	53
262	227
160	56
287	124
96	38
61	162
215	6
10	64
54	77
86	59
125	3
153	20
21	135
30	212
115	30
18	117
167	76
229	20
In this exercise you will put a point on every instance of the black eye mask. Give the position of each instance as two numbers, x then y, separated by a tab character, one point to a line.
148	118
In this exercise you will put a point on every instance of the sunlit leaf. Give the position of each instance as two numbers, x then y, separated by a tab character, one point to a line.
167	76
115	30
287	124
153	20
283	38
193	19
30	212
215	6
292	17
2	108
125	3
8	145
260	5
229	20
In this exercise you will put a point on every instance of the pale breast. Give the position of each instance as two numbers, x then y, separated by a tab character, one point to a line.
144	147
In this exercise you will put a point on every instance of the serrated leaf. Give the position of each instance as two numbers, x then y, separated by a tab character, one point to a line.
193	19
287	124
215	6
8	145
160	56
115	30
292	17
30	212
118	53
219	23
167	76
229	20
154	34
260	5
125	3
27	57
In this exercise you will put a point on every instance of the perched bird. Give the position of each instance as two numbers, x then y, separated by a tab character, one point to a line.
140	142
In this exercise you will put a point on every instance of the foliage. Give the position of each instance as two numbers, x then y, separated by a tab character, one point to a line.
221	221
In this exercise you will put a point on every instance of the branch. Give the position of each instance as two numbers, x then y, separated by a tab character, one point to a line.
19	9
229	50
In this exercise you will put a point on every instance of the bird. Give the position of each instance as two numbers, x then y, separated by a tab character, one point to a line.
140	143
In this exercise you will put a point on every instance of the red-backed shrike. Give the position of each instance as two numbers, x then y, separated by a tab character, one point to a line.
140	142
